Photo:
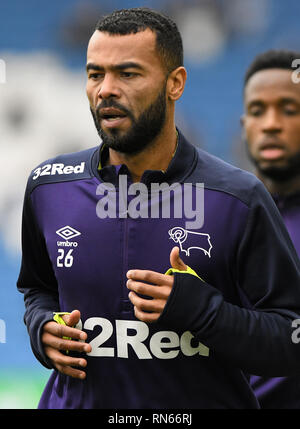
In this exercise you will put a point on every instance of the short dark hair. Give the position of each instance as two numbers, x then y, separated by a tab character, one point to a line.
134	20
272	59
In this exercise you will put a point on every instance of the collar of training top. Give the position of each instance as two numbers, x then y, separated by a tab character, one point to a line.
181	165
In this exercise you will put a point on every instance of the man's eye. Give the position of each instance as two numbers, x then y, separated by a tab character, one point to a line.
95	75
127	74
290	110
255	111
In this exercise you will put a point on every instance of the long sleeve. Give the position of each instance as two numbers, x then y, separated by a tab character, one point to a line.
36	281
256	336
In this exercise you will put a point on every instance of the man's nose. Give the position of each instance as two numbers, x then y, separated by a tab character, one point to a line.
272	122
108	87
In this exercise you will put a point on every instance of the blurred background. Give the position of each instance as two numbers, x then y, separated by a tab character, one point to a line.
44	111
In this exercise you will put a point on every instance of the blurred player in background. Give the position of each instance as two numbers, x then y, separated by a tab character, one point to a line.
272	131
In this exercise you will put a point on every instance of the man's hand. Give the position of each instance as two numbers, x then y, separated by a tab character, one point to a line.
54	343
159	289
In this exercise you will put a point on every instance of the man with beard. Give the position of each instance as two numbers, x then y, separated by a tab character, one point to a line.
272	131
128	331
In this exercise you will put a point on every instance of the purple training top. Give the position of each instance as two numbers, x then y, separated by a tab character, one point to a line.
212	333
282	392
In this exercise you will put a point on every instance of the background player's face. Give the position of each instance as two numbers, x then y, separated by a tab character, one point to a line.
272	123
126	88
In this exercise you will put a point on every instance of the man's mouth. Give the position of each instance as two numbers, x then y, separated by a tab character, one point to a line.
111	117
272	150
111	114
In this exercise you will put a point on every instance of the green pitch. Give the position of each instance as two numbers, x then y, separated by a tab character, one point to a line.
21	389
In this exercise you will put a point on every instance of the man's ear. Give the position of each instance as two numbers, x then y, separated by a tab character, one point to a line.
242	121
176	83
243	129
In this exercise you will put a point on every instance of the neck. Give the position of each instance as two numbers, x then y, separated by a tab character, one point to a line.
279	187
156	156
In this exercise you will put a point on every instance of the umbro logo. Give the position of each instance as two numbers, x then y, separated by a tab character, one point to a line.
67	232
65	258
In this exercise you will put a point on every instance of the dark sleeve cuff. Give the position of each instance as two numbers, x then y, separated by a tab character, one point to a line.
37	345
192	304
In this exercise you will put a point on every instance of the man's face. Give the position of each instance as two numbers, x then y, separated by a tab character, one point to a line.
272	123
126	88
